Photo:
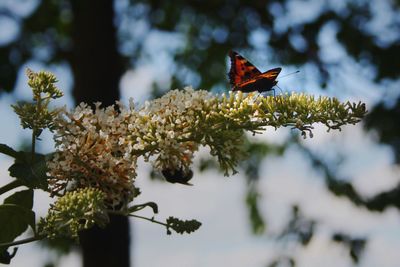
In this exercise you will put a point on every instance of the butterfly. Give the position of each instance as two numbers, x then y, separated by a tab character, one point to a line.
245	77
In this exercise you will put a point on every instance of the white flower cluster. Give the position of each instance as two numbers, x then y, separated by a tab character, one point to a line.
90	152
169	125
100	148
175	125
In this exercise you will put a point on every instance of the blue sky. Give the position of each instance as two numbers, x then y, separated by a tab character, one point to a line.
218	202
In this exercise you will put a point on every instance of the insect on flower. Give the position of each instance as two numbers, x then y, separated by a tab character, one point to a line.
179	176
245	77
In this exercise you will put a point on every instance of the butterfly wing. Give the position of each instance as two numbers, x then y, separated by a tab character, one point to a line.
271	74
241	69
261	83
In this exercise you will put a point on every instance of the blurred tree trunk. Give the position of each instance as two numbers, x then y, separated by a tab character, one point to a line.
97	70
95	61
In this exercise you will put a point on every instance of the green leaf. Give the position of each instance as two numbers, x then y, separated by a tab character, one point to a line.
5	256
152	205
6	150
181	226
207	163
21	198
14	221
257	221
32	174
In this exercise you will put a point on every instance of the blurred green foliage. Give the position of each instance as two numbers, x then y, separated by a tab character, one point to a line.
209	29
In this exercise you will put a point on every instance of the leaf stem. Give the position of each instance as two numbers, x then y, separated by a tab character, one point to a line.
137	216
148	219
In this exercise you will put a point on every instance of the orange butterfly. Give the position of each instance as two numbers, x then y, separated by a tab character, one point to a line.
245	77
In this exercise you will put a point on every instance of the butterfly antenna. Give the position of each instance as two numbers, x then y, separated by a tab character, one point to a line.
289	74
279	89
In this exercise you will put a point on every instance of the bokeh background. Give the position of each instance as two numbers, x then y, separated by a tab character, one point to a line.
332	200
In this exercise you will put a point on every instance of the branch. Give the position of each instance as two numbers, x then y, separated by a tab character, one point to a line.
22	241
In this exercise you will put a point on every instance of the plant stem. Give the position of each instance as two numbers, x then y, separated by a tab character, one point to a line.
22	241
137	216
35	130
148	219
10	186
33	144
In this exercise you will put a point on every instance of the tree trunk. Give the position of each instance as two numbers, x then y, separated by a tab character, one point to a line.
97	69
96	63
107	247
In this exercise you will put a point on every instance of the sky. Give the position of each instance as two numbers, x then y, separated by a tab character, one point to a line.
224	238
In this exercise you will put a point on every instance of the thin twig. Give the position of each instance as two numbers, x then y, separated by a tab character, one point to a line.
22	241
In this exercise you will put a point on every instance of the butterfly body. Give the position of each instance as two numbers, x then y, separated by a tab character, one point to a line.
245	77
